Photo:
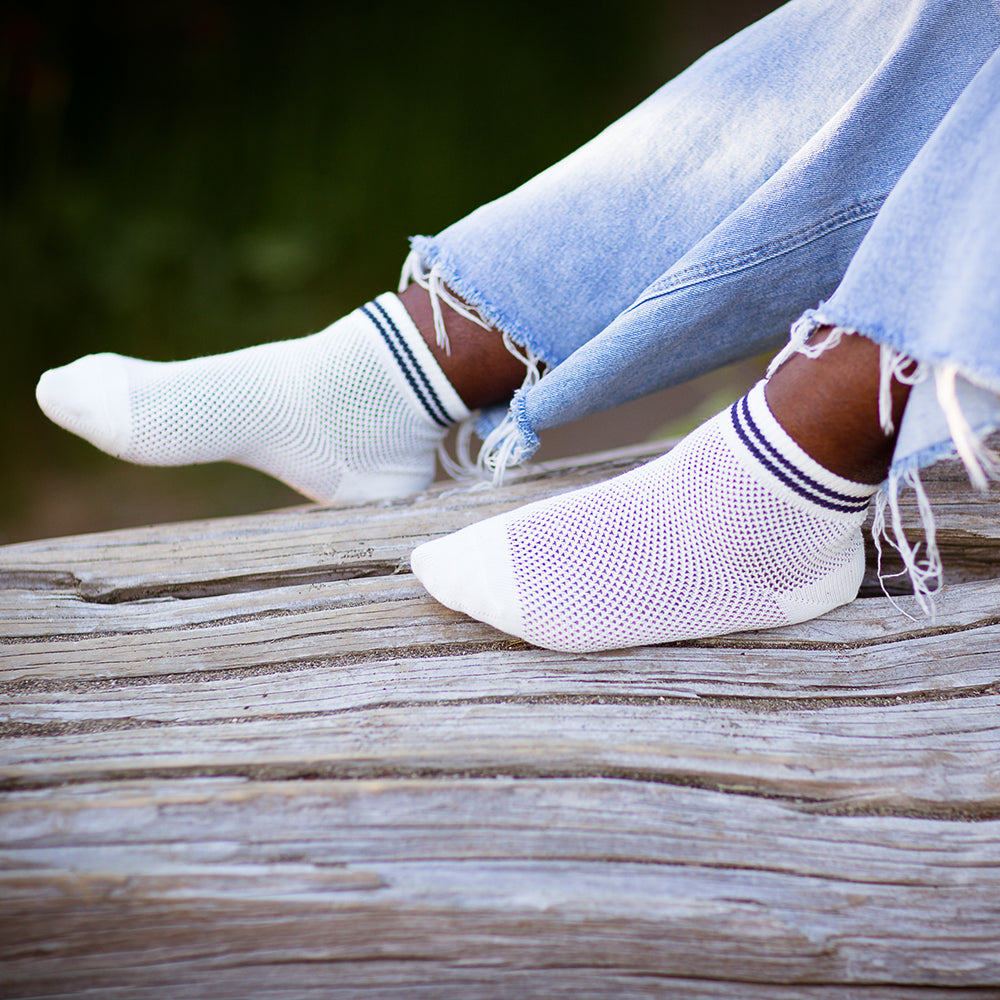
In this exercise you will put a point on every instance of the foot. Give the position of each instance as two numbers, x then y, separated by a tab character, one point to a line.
735	528
350	414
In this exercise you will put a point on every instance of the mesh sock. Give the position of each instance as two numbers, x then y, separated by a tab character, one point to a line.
735	528
349	414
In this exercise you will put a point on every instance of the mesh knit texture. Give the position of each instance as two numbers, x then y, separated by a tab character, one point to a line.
735	528
349	414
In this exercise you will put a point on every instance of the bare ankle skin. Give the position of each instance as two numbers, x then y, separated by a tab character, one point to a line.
480	368
829	406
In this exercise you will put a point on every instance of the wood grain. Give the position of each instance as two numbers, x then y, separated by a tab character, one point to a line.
251	758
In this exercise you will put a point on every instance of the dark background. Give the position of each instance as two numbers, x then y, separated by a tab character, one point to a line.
190	177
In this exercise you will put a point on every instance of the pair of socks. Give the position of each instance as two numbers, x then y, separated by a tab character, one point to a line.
735	528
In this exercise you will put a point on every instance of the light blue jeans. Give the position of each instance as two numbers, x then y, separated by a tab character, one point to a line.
838	151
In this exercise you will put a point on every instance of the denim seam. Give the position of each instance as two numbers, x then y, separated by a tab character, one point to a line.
749	258
518	410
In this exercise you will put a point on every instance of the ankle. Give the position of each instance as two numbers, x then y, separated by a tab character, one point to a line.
829	405
477	364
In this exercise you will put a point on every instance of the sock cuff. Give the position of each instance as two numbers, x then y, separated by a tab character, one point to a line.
788	469
423	375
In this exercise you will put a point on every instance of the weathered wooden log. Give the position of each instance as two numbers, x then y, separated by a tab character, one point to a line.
251	758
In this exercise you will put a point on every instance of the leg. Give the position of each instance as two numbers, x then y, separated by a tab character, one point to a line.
478	365
926	282
350	414
752	521
738	527
829	406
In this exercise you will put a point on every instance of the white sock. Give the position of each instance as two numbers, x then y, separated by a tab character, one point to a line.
349	414
735	528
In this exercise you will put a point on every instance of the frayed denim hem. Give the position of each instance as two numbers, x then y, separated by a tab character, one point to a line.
425	258
507	441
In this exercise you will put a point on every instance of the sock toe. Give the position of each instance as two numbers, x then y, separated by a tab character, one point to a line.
89	397
470	571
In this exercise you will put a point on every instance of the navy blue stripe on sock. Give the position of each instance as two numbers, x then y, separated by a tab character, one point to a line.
789	465
792	477
421	374
408	364
826	491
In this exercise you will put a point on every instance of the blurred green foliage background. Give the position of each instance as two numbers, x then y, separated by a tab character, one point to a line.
181	178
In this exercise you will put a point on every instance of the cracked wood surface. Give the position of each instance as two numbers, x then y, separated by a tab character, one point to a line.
251	758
